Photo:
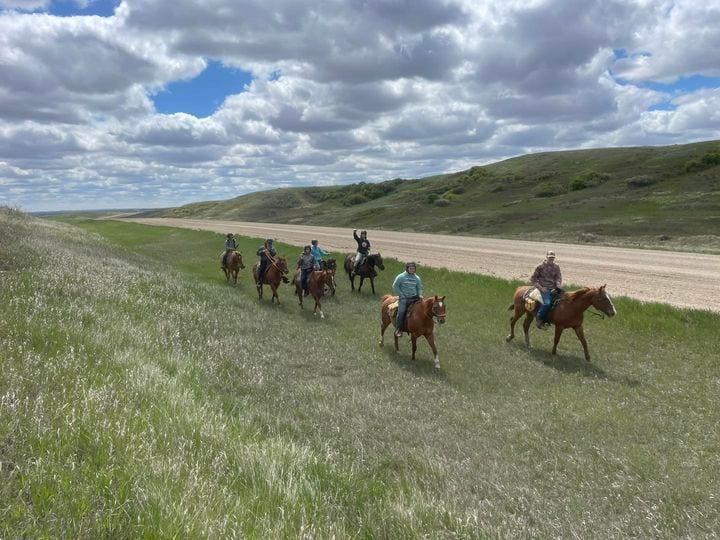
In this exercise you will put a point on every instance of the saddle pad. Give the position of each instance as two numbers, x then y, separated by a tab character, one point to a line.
392	308
534	294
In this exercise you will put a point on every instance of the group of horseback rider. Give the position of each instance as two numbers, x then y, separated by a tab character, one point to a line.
407	285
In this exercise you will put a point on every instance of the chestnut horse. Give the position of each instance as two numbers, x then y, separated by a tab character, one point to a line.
419	321
273	276
317	281
331	266
365	270
233	264
568	313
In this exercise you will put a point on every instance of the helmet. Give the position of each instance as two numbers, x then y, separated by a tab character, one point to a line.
409	264
269	241
307	247
550	254
313	242
229	235
363	232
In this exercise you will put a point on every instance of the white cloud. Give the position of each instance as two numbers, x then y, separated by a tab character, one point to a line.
369	90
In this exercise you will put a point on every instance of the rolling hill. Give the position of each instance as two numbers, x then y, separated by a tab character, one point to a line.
655	196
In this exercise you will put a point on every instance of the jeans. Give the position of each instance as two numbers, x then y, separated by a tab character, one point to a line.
547	297
304	277
403	306
261	270
359	259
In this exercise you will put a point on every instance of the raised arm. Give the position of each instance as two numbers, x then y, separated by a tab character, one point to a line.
396	285
419	287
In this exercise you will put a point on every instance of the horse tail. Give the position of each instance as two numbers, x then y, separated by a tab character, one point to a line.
386	297
512	306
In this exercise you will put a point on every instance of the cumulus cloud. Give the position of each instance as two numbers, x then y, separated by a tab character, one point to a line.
342	91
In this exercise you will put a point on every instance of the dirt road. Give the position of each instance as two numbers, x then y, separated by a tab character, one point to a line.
681	279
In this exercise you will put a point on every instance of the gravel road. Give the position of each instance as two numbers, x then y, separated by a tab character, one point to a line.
682	279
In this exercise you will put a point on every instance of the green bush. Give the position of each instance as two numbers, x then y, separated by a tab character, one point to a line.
441	202
640	181
550	189
577	184
355	198
711	159
458	190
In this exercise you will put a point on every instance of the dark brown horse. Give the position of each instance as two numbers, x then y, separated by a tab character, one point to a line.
233	264
568	313
419	321
273	276
317	281
365	270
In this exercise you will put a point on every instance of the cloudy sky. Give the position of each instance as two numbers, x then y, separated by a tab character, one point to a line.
145	103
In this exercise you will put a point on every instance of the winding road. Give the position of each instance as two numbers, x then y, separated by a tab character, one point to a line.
690	280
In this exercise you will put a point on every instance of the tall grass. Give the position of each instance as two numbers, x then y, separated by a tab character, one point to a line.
141	396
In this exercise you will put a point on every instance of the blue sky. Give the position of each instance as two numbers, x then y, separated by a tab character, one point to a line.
369	91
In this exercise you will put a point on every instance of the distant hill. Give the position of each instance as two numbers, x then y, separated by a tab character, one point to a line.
655	196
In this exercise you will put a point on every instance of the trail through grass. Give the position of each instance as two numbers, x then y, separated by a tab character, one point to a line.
141	395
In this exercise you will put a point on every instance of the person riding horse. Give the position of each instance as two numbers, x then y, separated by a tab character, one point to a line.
230	245
267	256
306	264
548	280
409	288
363	249
318	253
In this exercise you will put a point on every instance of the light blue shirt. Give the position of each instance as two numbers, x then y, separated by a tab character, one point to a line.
318	253
407	285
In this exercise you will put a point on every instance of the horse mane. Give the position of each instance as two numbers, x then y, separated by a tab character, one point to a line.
574	295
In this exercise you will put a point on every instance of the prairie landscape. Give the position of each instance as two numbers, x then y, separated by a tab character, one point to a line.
143	396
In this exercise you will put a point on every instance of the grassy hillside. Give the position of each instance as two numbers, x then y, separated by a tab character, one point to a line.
141	396
656	196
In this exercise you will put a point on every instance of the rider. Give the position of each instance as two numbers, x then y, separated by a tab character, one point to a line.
548	279
318	253
409	288
230	245
306	264
267	256
363	249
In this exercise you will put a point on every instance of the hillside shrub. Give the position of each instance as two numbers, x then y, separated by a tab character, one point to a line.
550	189
588	180
576	184
711	159
640	181
441	202
354	199
458	190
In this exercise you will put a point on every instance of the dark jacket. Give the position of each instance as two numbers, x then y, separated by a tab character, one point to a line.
307	262
263	251
363	245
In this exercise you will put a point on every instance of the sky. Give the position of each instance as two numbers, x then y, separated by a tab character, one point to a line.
152	103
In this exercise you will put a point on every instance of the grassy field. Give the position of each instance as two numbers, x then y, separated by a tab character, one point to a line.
142	396
662	197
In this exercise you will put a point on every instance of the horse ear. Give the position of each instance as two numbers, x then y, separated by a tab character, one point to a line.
603	287
442	299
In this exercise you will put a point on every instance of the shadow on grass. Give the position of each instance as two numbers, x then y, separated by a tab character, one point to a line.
574	364
422	365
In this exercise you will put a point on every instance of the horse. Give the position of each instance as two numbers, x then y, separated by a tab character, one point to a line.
233	264
568	313
419	321
331	266
317	281
273	276
365	270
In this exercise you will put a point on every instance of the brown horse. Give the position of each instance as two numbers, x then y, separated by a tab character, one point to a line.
317	281
419	321
568	313
365	270
233	264
273	276
331	266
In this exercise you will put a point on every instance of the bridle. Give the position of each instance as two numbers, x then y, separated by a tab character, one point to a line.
435	316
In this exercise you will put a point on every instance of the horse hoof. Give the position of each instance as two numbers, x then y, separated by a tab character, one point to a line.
508	339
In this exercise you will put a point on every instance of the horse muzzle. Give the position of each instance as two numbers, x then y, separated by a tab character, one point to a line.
440	320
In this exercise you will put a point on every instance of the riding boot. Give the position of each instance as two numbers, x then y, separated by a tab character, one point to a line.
540	323
285	280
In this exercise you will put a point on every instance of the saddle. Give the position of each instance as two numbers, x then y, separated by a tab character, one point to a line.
533	299
393	308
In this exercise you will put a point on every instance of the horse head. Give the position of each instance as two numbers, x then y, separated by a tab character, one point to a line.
377	260
240	259
330	265
281	263
603	302
438	309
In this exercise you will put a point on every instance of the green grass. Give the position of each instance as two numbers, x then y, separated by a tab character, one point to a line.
642	197
142	396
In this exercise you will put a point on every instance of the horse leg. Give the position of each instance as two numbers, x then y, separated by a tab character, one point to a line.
372	284
319	307
352	281
558	332
413	340
260	290
526	328
516	316
580	333
431	341
383	326
361	283
275	294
